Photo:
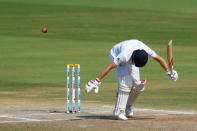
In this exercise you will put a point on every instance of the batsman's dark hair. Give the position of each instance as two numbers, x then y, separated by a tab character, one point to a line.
140	58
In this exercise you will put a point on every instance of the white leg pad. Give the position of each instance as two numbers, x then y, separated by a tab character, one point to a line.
123	94
131	99
121	102
133	95
126	84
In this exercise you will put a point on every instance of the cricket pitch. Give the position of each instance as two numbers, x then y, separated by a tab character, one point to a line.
93	117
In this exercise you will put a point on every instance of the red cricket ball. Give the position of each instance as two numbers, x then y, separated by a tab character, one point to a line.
44	30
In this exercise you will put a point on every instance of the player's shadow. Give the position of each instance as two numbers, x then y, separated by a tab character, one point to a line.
97	117
114	118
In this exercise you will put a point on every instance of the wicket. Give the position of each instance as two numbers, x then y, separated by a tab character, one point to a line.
73	88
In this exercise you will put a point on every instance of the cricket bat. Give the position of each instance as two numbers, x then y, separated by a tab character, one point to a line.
169	55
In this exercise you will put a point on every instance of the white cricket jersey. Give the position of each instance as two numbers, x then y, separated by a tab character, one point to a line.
123	51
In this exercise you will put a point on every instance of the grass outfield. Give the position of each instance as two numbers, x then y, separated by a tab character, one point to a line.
84	32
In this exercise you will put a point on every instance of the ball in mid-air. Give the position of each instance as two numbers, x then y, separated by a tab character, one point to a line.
44	30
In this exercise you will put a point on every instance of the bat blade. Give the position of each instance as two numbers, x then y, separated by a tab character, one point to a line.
169	54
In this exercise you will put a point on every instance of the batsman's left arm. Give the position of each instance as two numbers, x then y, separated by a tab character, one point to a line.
106	70
93	84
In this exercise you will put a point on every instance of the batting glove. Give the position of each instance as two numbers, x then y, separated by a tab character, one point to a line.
173	75
93	84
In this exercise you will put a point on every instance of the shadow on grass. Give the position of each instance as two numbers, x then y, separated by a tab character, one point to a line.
98	117
114	118
102	117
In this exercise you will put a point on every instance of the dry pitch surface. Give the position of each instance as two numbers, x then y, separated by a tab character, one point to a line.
93	117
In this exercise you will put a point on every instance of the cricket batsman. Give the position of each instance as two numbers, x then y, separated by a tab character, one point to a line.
126	58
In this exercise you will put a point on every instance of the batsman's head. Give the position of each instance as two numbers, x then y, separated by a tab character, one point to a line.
140	58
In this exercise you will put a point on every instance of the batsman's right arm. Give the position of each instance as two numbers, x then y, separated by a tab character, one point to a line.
162	62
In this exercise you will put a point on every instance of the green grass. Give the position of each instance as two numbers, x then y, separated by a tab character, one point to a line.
188	6
83	32
96	24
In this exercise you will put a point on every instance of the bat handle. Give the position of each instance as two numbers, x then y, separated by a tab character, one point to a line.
171	69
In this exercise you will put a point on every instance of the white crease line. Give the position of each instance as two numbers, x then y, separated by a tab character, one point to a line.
157	110
35	121
164	111
1	122
24	115
20	118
